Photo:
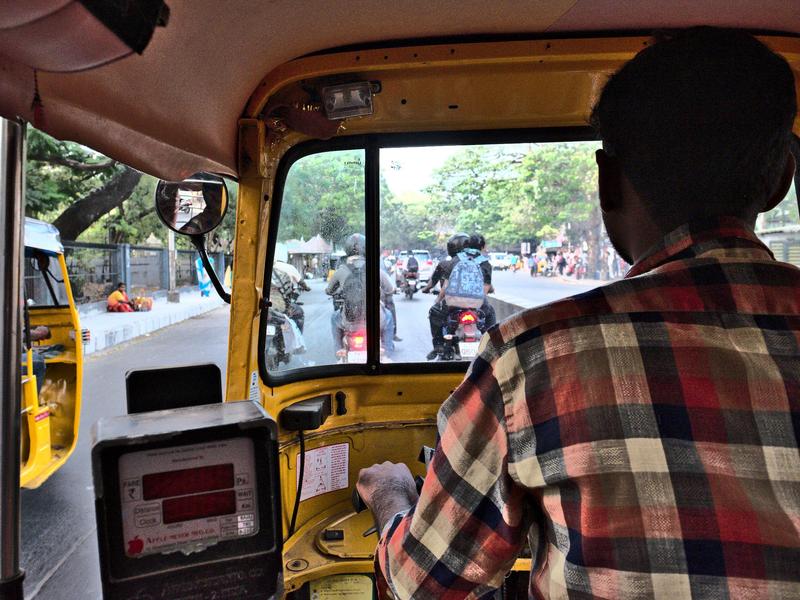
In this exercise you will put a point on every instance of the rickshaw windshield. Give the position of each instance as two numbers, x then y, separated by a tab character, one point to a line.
528	208
44	281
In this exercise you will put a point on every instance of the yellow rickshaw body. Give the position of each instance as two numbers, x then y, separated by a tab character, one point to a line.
50	419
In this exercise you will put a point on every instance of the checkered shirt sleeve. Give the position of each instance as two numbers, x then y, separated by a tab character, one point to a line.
469	526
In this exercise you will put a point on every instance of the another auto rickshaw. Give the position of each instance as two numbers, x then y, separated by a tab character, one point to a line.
51	408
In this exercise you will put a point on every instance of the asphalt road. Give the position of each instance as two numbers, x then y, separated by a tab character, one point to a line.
59	544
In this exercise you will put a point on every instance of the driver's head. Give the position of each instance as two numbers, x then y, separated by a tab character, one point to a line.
698	125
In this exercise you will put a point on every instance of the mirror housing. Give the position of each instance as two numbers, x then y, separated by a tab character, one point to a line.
194	206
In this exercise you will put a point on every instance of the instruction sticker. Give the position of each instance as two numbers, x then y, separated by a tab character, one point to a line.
326	470
342	587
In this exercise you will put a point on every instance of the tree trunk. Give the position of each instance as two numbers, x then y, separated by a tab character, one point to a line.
80	215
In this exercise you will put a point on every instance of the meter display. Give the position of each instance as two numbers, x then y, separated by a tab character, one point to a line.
188	503
185	498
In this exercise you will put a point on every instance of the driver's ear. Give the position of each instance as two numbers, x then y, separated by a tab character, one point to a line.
784	183
609	176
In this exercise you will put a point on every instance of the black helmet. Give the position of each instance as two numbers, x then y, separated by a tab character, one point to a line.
456	243
355	245
476	241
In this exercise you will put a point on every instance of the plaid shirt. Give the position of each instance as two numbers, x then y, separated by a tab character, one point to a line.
642	436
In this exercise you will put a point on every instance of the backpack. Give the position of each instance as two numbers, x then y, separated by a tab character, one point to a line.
412	264
465	283
354	293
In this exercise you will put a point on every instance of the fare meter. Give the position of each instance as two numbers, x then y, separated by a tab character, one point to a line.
187	503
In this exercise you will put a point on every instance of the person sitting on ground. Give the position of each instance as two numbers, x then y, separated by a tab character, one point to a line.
642	436
118	300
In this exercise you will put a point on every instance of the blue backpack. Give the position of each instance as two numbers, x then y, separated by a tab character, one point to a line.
465	284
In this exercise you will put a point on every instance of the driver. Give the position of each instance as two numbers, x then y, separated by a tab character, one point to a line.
349	283
642	436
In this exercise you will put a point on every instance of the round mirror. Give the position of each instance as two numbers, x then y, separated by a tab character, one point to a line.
193	206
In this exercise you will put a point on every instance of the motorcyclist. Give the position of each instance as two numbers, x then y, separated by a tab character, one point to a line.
437	315
411	269
476	246
355	266
285	287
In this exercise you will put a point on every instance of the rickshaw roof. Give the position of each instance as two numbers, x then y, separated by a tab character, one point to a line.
173	110
42	236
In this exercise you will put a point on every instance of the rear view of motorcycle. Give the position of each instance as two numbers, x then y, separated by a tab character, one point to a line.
462	333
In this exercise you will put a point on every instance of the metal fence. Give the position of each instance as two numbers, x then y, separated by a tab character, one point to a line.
95	269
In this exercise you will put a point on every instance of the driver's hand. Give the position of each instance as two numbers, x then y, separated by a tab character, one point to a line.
40	333
387	489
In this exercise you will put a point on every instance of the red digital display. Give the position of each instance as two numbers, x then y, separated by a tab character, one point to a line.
188	508
187	481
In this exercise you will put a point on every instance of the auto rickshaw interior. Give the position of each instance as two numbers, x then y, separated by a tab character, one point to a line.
322	143
504	98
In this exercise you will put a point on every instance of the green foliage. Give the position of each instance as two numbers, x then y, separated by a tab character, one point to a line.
510	196
507	193
324	194
51	183
60	173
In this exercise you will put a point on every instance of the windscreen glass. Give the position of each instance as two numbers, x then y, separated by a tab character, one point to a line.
468	235
530	233
317	313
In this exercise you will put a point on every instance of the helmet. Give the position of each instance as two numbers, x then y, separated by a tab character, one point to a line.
456	243
476	241
355	244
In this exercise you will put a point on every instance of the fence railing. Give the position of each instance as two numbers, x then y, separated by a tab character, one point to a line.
95	269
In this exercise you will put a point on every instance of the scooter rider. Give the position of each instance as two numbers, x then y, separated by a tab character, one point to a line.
437	315
350	276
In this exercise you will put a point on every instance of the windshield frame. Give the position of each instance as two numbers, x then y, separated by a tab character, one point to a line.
372	145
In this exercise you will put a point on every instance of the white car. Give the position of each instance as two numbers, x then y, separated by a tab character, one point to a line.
426	264
499	260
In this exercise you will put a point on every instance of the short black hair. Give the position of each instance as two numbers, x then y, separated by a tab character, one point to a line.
700	123
120	283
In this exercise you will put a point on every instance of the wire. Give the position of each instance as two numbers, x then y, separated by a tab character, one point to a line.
299	483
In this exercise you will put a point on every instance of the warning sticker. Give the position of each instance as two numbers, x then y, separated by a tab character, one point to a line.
255	391
326	470
350	587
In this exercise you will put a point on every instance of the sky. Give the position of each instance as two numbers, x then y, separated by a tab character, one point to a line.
410	169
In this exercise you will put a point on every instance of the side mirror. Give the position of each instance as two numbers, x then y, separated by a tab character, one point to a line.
193	206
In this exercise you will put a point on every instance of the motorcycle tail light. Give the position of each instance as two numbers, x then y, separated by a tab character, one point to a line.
467	317
359	341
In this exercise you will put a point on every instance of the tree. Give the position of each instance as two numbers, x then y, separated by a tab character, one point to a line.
76	184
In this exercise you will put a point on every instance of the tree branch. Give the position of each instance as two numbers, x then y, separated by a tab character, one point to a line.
71	163
77	217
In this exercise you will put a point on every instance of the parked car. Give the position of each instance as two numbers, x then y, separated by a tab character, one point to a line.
499	260
426	265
